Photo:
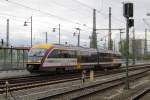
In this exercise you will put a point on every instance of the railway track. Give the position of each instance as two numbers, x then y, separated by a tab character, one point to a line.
77	90
144	95
21	83
23	78
82	92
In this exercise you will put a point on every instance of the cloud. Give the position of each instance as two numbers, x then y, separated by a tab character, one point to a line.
70	14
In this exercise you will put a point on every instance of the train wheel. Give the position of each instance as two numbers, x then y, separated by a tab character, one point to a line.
30	68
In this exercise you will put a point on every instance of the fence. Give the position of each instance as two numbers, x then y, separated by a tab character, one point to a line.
13	57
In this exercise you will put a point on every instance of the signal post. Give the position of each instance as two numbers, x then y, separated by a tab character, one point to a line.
128	14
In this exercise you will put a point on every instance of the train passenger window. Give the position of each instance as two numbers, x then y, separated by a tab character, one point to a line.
62	54
85	56
67	54
71	54
54	54
37	52
101	57
94	57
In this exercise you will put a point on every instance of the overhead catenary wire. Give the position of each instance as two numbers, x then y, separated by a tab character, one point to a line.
144	20
52	15
86	6
75	10
97	10
55	15
58	17
21	19
47	13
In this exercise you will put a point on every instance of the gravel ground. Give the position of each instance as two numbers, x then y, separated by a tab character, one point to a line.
13	73
110	94
118	93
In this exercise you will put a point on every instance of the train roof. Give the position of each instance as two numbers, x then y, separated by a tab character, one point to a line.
71	47
45	46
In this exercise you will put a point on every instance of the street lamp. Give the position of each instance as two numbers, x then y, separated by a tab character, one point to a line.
104	39
25	24
54	30
148	14
74	34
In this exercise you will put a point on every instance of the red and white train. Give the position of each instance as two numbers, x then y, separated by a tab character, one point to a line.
49	57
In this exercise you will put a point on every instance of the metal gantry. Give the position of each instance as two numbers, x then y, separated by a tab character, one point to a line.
114	29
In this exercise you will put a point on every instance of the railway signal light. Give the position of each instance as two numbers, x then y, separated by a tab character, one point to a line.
128	10
54	29
131	23
25	23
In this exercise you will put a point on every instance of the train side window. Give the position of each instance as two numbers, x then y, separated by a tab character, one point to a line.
71	54
67	54
101	56
54	54
85	56
63	54
93	57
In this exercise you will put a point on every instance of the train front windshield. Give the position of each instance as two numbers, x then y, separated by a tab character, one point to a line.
36	54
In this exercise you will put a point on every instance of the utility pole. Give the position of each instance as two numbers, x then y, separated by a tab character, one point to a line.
109	37
78	36
105	43
59	33
46	39
145	47
120	39
94	35
7	37
31	31
114	46
133	47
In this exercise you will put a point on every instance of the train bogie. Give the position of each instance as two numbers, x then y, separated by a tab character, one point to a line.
32	67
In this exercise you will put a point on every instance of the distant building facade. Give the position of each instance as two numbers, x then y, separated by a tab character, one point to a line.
138	44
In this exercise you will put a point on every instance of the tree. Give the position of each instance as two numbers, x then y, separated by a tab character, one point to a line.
122	49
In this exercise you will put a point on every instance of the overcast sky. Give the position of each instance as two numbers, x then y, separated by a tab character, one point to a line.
70	14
